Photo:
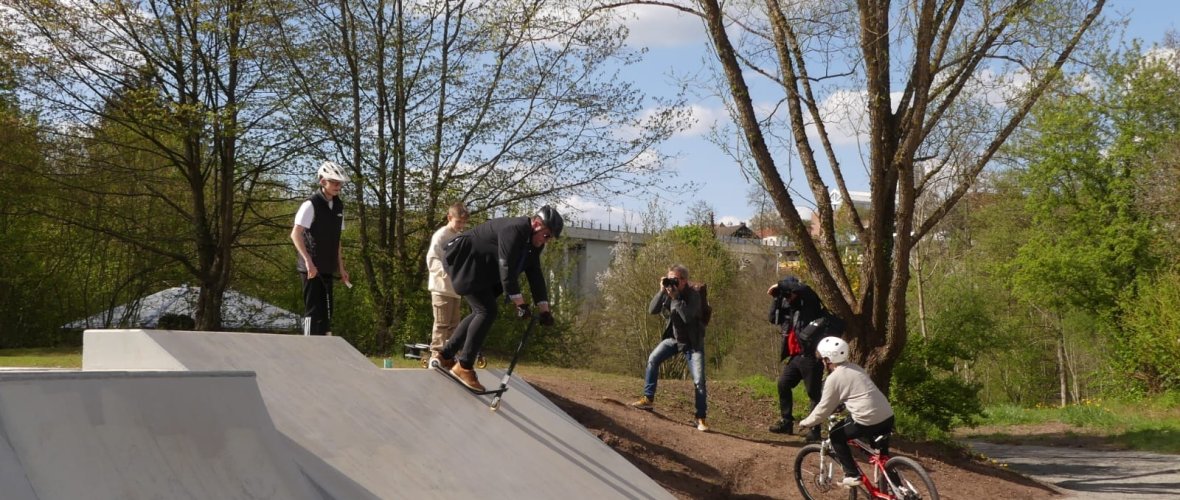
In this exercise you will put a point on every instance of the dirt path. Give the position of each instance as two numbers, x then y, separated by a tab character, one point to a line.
739	458
1085	474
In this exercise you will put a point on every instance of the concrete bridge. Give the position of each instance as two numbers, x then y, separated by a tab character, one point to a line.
592	250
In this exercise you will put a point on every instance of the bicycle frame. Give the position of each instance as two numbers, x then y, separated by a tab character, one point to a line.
876	459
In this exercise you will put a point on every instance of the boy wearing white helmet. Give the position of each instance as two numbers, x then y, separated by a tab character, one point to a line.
869	412
316	235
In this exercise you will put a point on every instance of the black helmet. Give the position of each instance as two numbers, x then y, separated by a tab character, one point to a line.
551	219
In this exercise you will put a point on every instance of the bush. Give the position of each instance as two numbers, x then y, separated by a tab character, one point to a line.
937	397
1150	349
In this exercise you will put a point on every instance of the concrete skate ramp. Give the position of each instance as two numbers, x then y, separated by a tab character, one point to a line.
141	435
358	431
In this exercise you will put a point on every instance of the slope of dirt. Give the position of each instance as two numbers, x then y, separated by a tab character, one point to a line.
738	458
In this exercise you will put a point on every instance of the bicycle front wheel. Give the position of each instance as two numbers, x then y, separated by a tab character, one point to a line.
908	480
818	476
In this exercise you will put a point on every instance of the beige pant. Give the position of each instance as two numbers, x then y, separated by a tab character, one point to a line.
446	318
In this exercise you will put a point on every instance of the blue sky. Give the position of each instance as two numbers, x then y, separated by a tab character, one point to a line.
677	48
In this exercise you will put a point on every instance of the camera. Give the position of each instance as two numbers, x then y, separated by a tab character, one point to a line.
671	282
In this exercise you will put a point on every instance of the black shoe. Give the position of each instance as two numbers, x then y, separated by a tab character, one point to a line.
813	435
783	426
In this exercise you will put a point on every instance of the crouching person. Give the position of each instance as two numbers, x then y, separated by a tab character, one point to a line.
684	333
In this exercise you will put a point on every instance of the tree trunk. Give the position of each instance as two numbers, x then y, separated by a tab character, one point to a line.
1061	375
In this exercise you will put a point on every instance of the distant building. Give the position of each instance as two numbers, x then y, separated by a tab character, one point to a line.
862	200
736	231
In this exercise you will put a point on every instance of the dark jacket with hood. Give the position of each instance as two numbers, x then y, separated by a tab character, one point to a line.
794	306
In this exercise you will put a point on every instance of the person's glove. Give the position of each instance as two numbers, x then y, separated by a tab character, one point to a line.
546	318
522	312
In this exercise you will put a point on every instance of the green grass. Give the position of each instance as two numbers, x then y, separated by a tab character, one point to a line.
70	357
761	386
1151	424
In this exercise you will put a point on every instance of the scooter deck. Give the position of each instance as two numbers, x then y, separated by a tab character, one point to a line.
497	391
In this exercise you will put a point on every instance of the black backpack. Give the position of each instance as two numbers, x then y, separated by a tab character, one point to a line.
827	325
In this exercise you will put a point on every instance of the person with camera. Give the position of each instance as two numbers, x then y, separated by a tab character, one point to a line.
684	333
794	308
869	411
485	262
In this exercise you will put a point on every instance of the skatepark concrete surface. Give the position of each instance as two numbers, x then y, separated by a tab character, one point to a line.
75	435
307	417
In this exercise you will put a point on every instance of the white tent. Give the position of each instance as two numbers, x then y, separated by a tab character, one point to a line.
238	312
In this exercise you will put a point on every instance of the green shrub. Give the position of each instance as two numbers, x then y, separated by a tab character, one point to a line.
936	396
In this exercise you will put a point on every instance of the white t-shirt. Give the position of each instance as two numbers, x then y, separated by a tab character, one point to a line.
305	215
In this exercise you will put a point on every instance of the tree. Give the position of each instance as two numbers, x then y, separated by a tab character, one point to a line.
173	99
956	106
496	104
1086	159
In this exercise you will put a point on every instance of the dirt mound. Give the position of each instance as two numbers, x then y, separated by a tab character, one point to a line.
738	458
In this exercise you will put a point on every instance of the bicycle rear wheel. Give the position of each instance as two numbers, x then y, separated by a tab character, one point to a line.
910	480
817	476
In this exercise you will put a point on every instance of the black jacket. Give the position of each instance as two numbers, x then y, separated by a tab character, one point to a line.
797	312
492	255
684	317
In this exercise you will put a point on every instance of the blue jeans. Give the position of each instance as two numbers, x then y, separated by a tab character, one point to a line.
696	366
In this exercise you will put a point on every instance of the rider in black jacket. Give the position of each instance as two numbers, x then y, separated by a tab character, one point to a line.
485	262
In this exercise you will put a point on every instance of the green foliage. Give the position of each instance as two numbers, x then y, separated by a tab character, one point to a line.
1088	414
1152	343
939	399
915	428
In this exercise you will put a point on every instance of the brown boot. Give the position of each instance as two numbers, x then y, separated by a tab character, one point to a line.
436	359
467	376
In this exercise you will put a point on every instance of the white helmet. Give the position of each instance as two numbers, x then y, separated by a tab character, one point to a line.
331	171
833	348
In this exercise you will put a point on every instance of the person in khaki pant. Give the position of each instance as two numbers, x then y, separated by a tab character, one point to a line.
443	297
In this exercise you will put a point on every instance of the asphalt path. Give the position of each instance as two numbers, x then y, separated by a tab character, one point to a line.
1091	474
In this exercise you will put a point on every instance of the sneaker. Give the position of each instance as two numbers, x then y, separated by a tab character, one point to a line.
850	482
702	426
783	426
813	435
644	403
436	361
467	376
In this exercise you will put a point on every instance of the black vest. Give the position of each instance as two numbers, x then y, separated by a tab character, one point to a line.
322	240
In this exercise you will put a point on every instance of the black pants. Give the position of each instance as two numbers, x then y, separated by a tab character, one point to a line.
799	368
474	328
317	304
849	429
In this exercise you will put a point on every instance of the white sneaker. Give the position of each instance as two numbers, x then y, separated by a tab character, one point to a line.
702	426
850	482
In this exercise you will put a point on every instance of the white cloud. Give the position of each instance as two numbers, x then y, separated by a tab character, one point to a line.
580	211
658	26
729	220
1167	55
703	120
845	115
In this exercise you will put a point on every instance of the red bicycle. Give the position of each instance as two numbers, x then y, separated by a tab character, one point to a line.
818	473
